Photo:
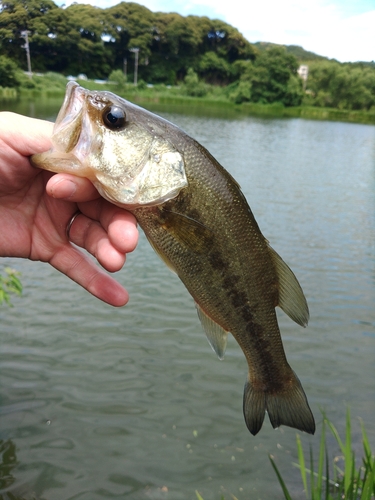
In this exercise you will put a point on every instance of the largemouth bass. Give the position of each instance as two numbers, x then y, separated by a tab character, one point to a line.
197	219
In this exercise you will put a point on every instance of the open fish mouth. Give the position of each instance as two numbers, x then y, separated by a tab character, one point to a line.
70	129
68	125
73	102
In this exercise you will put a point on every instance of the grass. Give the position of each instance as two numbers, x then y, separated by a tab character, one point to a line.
324	481
9	284
349	481
8	93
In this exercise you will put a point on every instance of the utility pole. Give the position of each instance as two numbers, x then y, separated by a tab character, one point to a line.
136	52
25	35
125	68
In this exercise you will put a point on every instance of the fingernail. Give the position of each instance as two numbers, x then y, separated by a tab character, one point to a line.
64	189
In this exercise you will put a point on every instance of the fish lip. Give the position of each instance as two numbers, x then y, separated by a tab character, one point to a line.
69	118
71	93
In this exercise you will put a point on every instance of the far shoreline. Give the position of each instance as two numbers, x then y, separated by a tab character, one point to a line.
162	98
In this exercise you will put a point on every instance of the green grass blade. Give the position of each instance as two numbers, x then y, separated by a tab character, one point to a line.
368	489
351	483
349	473
327	492
281	481
322	450
336	435
302	466
366	443
312	475
198	495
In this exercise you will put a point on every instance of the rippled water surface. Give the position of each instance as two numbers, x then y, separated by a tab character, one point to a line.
100	403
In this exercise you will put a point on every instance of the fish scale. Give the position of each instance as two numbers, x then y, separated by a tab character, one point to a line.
197	219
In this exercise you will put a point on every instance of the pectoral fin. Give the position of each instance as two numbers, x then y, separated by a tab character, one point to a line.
216	335
291	298
188	231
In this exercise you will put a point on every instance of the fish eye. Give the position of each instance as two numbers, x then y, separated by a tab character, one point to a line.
114	117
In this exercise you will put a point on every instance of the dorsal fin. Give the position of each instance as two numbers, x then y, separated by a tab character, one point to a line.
216	335
291	298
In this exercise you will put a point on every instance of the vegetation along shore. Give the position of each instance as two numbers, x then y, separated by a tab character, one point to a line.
170	59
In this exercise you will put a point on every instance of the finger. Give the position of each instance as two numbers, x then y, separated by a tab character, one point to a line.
81	269
27	135
90	235
72	188
120	224
121	227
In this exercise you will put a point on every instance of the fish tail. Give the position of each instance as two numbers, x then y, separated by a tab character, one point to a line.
287	406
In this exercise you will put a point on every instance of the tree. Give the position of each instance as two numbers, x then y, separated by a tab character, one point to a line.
343	86
272	77
17	16
128	26
8	73
214	69
273	70
86	26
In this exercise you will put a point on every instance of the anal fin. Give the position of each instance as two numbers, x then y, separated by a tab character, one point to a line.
291	297
216	335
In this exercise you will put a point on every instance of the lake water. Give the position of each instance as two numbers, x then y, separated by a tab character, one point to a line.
100	403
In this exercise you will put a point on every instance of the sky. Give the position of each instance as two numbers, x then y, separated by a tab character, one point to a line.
338	29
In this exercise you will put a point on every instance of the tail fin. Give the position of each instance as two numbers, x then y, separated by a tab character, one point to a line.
285	407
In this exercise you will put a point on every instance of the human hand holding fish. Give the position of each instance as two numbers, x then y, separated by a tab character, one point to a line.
197	219
36	207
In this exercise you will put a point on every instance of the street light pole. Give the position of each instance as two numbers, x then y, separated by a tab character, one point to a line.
136	52
25	35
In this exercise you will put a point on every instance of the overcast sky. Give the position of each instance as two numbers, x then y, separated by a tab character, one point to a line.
339	29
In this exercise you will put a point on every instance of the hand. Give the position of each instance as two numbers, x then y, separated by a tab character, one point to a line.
36	207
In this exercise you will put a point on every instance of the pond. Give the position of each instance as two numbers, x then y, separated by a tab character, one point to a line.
100	403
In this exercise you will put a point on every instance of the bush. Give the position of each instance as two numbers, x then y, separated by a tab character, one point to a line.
8	73
192	86
118	77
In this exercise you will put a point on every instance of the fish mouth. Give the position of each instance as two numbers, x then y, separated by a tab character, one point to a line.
68	124
69	100
71	135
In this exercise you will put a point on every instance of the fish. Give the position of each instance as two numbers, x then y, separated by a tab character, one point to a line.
197	219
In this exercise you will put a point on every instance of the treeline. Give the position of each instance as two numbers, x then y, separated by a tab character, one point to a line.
86	39
206	56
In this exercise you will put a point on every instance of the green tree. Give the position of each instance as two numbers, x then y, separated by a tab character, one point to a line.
272	77
273	70
343	86
214	69
128	26
17	16
87	27
8	73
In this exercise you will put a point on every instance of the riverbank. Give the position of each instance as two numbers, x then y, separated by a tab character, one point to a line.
161	97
